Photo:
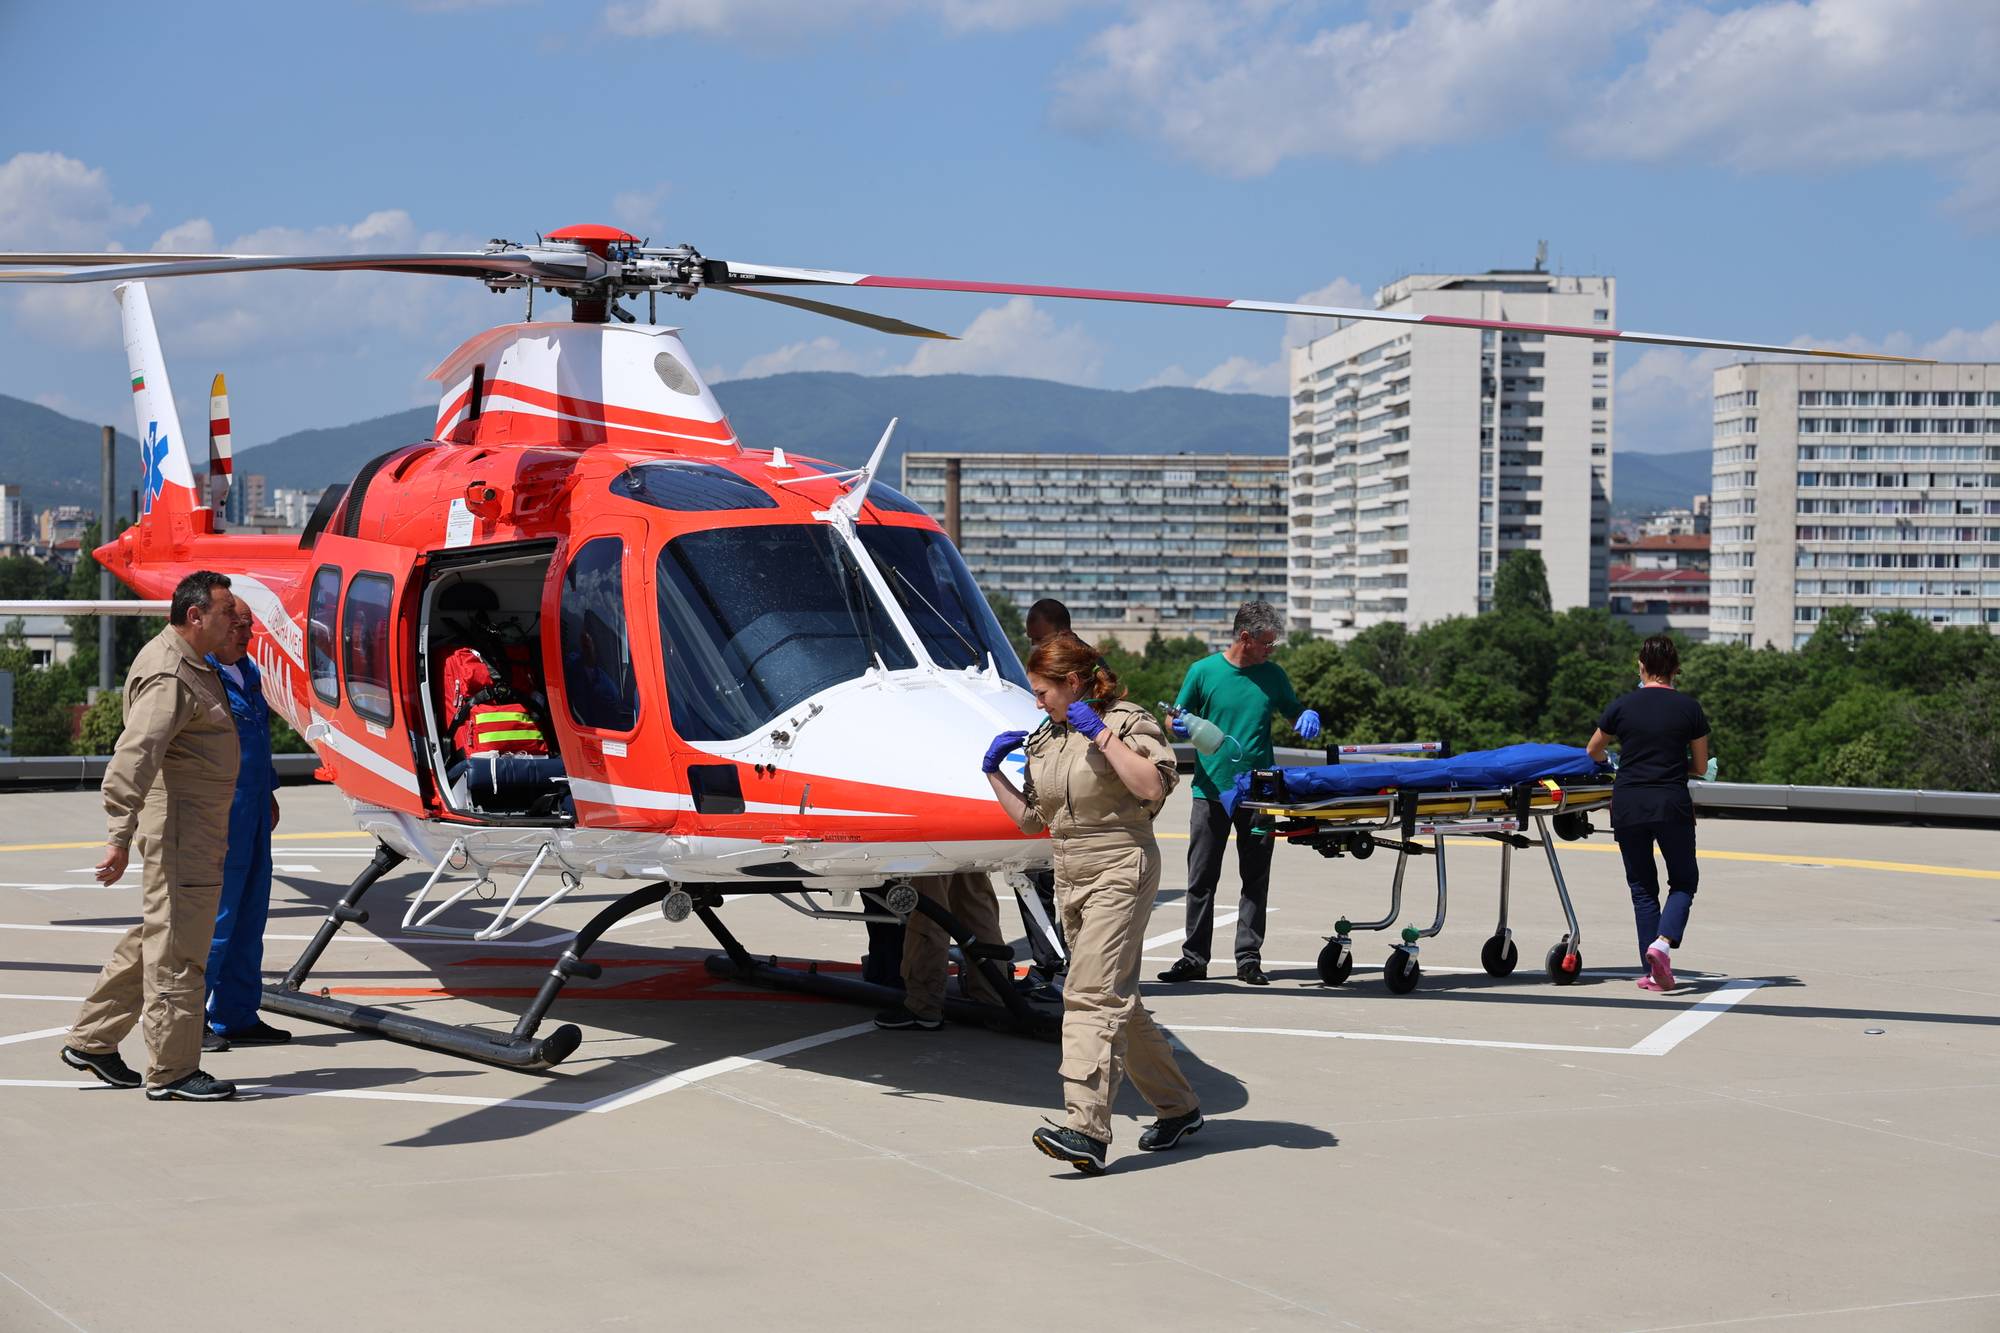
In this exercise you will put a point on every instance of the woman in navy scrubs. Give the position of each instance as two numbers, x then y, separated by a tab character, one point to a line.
1662	737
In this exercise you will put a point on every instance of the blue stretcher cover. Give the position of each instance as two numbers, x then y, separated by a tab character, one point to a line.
1504	767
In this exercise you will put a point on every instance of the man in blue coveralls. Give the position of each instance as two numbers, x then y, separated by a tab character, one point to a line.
236	958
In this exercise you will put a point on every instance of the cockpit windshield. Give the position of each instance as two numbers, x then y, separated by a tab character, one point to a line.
755	619
937	593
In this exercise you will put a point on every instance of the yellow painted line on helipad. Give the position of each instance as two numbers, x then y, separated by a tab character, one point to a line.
85	846
1774	858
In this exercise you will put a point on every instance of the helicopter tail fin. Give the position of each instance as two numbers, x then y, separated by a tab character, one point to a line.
168	500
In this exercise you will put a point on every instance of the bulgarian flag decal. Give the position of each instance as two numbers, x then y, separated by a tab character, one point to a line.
138	383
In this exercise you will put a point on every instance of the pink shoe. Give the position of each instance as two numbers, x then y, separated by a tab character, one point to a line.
1662	968
1647	983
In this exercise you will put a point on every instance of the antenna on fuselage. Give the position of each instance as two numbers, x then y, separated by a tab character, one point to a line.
848	504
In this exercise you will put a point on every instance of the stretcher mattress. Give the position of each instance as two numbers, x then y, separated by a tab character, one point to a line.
1507	766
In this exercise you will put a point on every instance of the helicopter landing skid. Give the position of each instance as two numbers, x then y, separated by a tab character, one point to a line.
519	1049
1013	1014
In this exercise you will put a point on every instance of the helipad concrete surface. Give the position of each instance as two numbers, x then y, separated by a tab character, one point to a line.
1805	1136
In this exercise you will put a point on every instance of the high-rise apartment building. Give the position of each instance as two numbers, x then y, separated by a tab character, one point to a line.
1871	486
14	529
1421	456
1130	543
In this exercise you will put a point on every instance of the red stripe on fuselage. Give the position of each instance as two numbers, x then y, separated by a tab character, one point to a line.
612	415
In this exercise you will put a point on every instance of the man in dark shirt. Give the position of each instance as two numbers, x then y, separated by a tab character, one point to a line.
1662	736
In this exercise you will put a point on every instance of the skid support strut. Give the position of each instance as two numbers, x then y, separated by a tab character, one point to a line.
520	1049
1013	1013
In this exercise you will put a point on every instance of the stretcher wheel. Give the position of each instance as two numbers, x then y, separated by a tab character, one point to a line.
1564	963
1572	825
1498	956
1336	961
1401	972
1361	846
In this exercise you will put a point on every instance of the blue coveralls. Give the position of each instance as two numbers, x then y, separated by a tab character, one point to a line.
236	958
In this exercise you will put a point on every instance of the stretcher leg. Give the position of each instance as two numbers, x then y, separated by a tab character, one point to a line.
1565	958
1336	960
1498	955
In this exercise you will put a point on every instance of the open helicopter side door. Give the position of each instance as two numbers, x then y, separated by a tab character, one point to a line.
607	695
360	624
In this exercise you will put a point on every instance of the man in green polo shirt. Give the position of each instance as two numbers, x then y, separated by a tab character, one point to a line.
1238	689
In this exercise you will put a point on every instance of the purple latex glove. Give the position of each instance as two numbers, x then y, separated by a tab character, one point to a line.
1177	724
1085	719
1002	745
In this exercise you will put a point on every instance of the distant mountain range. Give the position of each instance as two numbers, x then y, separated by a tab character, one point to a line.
836	417
54	459
1648	483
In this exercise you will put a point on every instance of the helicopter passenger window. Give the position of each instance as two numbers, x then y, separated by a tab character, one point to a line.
755	619
596	653
938	594
689	487
366	622
319	621
888	497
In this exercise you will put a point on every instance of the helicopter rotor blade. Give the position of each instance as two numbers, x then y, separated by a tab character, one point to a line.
867	319
741	275
542	267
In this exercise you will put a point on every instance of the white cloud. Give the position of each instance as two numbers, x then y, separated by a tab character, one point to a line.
1665	395
641	212
1240	88
821	353
1827	85
52	202
773	19
1241	374
1016	338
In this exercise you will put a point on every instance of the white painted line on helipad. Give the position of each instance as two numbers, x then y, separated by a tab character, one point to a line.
408	941
673	1082
66	999
1169	936
32	1036
1696	1017
1672	1033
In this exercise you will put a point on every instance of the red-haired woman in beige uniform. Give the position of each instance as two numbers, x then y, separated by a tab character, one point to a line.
1098	771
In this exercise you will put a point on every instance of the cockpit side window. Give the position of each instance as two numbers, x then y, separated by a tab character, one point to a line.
755	619
596	651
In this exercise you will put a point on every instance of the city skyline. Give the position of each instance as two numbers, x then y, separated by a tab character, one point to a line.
1308	151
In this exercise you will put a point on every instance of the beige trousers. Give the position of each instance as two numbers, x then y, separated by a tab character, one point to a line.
159	967
1105	884
927	948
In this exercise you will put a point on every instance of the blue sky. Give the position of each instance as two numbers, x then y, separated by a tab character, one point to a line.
1825	171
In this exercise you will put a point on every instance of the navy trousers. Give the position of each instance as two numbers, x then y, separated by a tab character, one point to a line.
236	956
1675	839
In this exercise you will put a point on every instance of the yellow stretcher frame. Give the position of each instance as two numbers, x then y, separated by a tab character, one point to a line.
1350	825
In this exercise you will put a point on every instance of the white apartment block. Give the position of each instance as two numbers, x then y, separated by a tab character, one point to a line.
14	529
1421	456
1871	486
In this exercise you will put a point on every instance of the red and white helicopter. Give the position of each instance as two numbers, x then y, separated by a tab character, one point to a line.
762	675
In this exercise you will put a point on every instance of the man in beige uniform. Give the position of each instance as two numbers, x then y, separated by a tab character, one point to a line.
927	950
170	781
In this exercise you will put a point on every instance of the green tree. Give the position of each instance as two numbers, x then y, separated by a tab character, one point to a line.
44	697
1521	583
25	579
1011	621
102	722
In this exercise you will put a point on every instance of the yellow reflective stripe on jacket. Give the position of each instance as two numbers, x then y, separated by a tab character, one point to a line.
484	736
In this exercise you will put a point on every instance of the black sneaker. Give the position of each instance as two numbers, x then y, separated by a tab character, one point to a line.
1165	1132
213	1042
898	1019
196	1087
1184	970
1073	1146
1252	974
109	1068
259	1033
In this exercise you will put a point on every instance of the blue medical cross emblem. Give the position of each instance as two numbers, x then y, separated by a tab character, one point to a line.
152	454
